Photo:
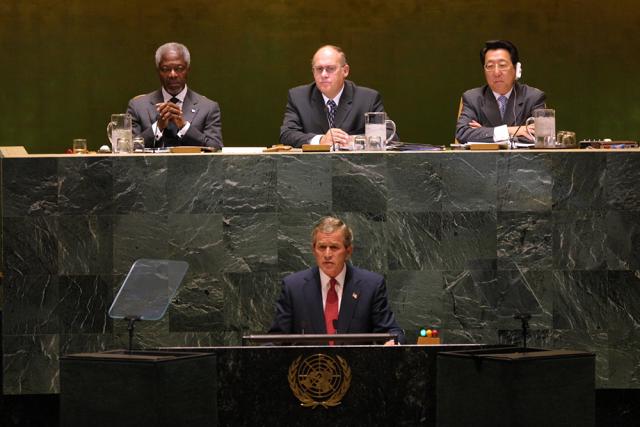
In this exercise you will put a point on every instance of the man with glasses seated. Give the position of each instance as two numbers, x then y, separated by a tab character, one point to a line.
498	110
331	109
174	114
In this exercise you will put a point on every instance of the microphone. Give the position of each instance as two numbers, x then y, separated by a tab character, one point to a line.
303	326
153	149
335	325
513	138
515	100
326	114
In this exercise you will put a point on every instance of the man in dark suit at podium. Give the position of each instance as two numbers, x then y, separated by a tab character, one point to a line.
174	114
330	110
334	297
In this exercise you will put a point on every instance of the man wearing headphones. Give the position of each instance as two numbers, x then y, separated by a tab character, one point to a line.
498	110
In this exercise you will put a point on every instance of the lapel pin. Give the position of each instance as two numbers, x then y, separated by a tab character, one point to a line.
193	110
354	295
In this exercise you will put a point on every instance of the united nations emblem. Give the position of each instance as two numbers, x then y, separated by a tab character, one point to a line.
319	380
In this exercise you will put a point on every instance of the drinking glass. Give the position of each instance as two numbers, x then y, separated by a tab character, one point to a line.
566	139
374	143
80	146
359	143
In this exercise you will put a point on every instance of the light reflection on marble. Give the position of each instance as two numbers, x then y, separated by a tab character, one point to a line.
524	183
579	182
469	182
29	187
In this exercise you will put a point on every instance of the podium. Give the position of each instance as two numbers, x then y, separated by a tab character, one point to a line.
142	388
393	386
516	388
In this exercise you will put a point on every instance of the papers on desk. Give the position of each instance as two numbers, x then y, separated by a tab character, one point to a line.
487	145
525	145
242	150
408	146
491	145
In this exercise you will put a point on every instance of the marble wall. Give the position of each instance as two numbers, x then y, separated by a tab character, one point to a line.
465	240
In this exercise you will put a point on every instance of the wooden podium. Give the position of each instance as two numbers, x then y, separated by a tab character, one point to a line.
512	388
141	388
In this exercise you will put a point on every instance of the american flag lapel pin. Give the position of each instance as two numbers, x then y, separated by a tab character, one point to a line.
354	295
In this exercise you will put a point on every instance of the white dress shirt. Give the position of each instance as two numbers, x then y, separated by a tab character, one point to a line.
316	139
324	284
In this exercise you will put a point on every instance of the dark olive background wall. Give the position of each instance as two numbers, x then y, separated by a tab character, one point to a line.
67	65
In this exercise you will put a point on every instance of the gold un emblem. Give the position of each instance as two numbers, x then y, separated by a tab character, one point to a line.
319	380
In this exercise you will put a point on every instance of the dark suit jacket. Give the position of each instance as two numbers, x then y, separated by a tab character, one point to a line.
201	112
480	105
306	117
364	307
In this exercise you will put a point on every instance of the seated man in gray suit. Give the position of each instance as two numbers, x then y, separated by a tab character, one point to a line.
498	110
330	110
174	114
334	297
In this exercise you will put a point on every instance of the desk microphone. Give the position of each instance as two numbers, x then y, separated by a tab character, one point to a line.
513	138
326	114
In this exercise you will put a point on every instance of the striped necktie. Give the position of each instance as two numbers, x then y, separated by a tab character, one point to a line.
331	112
502	105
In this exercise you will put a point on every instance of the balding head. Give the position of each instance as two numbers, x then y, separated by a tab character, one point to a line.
330	69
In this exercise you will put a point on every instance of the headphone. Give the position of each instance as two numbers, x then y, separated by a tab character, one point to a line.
506	45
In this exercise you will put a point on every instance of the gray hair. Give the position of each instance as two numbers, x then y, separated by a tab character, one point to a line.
173	47
329	224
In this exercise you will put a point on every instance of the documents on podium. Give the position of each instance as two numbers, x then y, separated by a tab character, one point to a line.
185	149
319	339
412	146
13	151
147	291
487	145
324	148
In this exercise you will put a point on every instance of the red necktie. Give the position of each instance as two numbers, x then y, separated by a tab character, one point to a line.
331	308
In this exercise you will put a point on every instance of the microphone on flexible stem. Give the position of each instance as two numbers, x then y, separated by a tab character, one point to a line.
513	139
333	141
155	141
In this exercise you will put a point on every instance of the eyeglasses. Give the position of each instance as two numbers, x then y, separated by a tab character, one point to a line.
178	69
330	69
501	66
